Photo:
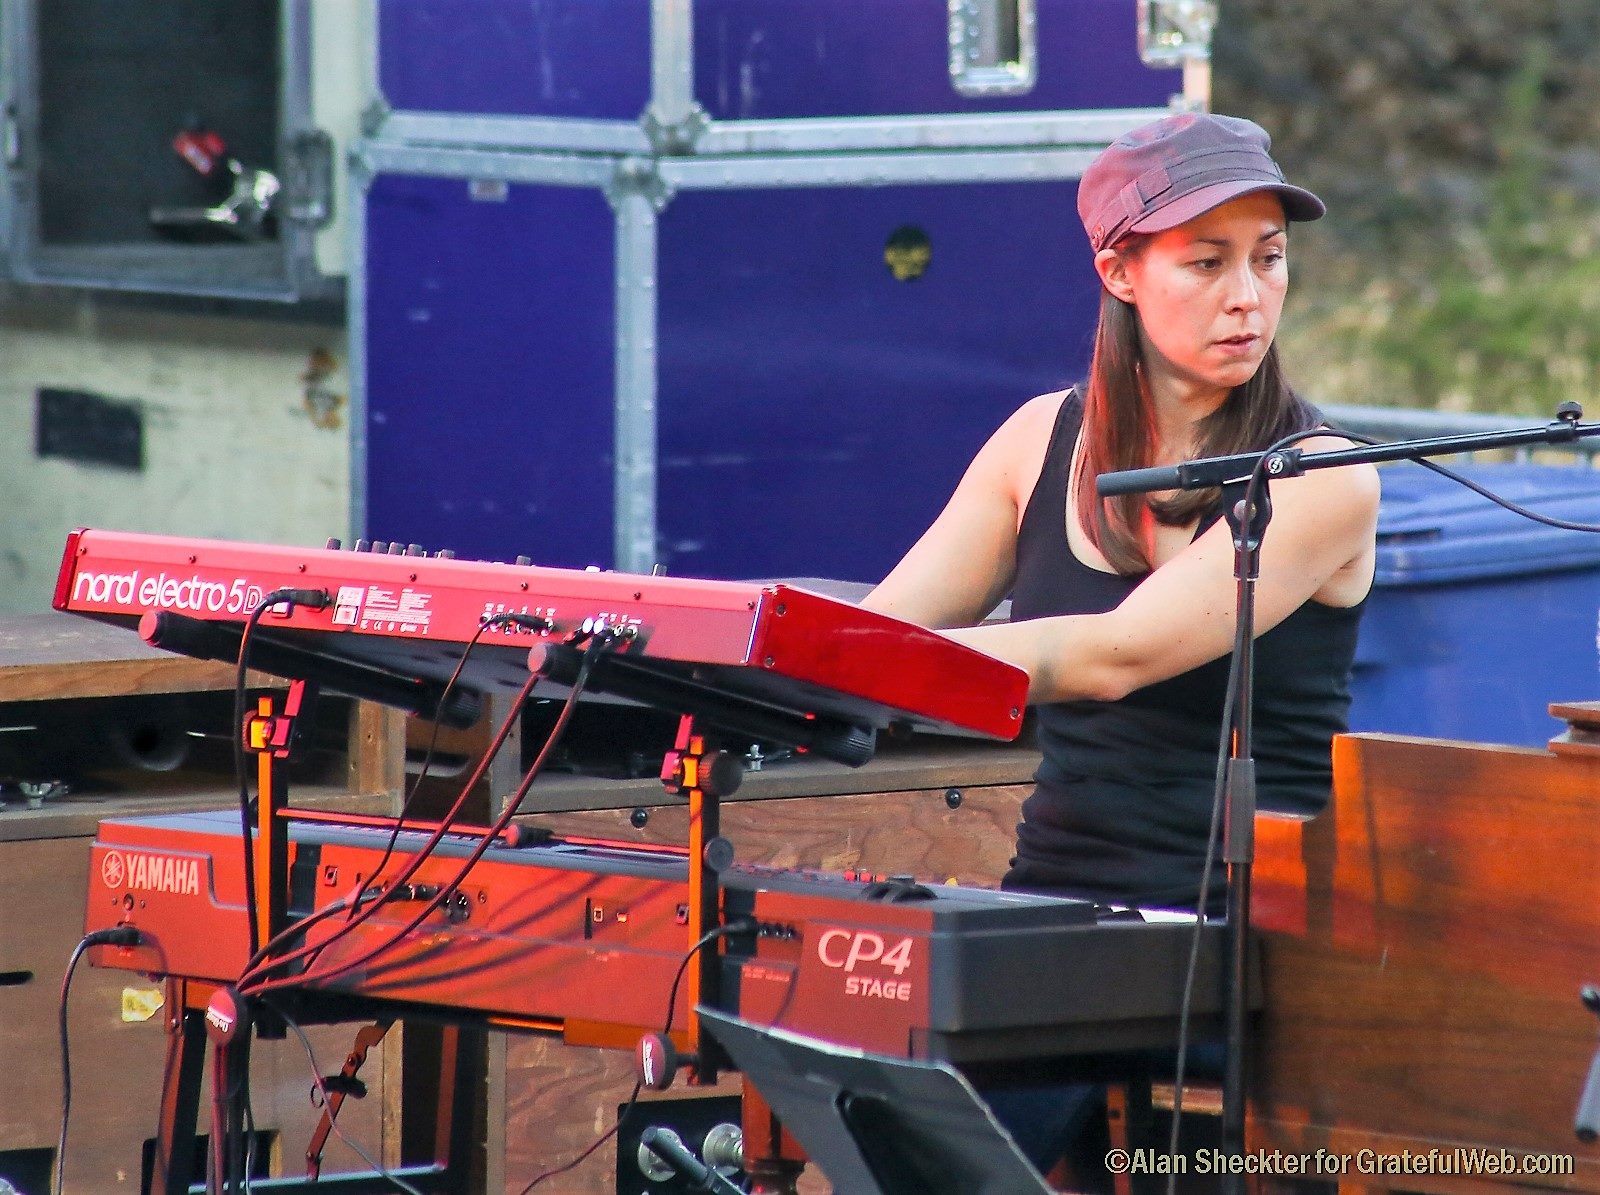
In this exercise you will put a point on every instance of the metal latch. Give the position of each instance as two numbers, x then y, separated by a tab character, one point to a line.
994	47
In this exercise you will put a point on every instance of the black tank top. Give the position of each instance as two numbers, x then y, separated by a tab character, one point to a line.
1122	804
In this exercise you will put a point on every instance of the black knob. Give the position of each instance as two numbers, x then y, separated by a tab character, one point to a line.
721	773
639	818
334	543
718	854
524	560
415	550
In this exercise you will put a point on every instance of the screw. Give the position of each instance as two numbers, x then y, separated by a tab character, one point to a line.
952	798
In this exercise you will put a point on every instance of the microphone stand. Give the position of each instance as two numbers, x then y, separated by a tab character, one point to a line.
1248	522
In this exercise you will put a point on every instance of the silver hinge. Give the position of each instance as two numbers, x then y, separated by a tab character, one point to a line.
308	178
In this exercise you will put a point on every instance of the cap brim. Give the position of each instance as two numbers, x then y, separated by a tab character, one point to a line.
1298	203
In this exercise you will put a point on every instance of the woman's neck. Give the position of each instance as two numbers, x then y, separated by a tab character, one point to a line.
1177	404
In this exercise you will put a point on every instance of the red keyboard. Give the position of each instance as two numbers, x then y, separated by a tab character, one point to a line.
407	617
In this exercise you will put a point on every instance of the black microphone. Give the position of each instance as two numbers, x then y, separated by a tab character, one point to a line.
1196	475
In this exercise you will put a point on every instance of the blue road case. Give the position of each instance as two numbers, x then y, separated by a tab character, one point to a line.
813	412
764	59
614	313
1479	618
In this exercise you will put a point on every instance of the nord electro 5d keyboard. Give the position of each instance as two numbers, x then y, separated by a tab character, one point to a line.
393	627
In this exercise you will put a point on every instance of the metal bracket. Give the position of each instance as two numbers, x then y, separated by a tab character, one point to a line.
678	136
638	176
374	116
1176	32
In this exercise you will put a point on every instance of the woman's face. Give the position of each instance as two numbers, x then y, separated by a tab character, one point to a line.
1208	293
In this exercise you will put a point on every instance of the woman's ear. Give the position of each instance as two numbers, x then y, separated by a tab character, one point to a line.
1113	270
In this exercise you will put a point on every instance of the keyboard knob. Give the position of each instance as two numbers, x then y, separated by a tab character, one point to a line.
524	560
415	550
397	548
363	545
380	546
444	554
334	544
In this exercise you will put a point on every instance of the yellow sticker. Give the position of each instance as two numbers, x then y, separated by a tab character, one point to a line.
140	1004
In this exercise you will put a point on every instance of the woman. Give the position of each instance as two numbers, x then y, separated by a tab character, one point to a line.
1123	610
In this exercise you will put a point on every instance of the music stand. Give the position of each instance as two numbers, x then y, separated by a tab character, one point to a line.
877	1125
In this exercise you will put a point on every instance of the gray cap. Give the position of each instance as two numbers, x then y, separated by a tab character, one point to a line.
1162	174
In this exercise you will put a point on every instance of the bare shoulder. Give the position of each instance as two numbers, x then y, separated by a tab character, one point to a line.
1359	483
1010	462
1037	416
1334	508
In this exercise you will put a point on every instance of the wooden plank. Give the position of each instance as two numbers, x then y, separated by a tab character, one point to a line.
1582	736
1425	943
926	762
376	762
76	815
58	656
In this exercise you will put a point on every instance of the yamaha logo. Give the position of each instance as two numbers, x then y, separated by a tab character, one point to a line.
143	872
113	871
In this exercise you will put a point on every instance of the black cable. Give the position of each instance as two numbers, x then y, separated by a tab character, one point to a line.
1460	479
1484	491
121	935
262	966
241	771
497	620
249	1141
1186	1003
598	644
333	1121
316	599
739	925
1230	711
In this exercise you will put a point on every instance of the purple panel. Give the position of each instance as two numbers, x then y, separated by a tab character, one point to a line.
815	412
574	58
767	59
489	370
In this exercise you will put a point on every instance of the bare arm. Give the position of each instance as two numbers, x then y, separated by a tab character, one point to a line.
1182	615
964	564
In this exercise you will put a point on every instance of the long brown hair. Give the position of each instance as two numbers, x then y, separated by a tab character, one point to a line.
1119	433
